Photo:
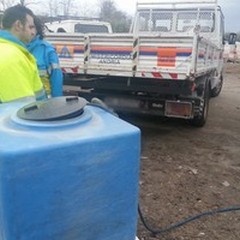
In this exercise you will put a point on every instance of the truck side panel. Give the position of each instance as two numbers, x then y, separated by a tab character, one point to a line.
164	57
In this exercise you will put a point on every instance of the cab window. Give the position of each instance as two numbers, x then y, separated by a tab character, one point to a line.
90	28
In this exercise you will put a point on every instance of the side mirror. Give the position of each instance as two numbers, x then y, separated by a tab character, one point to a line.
232	38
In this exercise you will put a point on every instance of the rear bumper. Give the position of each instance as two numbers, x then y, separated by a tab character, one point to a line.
185	108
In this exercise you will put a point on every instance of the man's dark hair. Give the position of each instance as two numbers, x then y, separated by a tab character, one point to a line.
39	27
12	14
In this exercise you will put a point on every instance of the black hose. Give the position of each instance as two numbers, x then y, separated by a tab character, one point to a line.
185	221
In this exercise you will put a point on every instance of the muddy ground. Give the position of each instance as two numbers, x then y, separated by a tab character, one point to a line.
186	170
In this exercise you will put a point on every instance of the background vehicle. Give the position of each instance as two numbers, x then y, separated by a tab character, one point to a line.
170	63
79	25
230	48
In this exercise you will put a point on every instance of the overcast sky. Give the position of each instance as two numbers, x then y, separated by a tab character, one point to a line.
230	8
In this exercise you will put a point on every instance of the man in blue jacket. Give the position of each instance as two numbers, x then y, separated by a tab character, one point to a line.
47	62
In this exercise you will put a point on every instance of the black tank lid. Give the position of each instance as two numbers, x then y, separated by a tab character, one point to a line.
53	109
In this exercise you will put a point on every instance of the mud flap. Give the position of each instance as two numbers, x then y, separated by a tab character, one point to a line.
200	119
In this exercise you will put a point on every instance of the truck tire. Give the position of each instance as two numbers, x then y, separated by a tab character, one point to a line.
216	91
201	118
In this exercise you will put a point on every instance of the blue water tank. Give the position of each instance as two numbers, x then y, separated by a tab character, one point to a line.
67	178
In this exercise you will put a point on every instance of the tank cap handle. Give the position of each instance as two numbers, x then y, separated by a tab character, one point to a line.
53	109
70	99
31	108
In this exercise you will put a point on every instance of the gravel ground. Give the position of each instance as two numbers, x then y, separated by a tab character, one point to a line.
186	170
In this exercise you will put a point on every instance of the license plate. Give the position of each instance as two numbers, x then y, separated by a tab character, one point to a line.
179	109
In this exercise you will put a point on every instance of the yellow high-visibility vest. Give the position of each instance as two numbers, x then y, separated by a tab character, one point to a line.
18	73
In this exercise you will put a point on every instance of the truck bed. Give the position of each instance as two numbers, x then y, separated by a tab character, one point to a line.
147	56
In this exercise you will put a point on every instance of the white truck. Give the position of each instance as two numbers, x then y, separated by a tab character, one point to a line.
79	25
169	64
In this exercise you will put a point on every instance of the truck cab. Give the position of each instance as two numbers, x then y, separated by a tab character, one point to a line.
180	18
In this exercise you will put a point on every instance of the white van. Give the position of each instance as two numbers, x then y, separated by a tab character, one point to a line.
79	26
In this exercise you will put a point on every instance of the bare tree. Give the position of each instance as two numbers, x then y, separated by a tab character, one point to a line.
109	12
62	7
53	6
67	6
28	2
23	2
4	4
86	9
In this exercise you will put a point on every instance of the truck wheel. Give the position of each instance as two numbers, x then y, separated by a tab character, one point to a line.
200	120
216	91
